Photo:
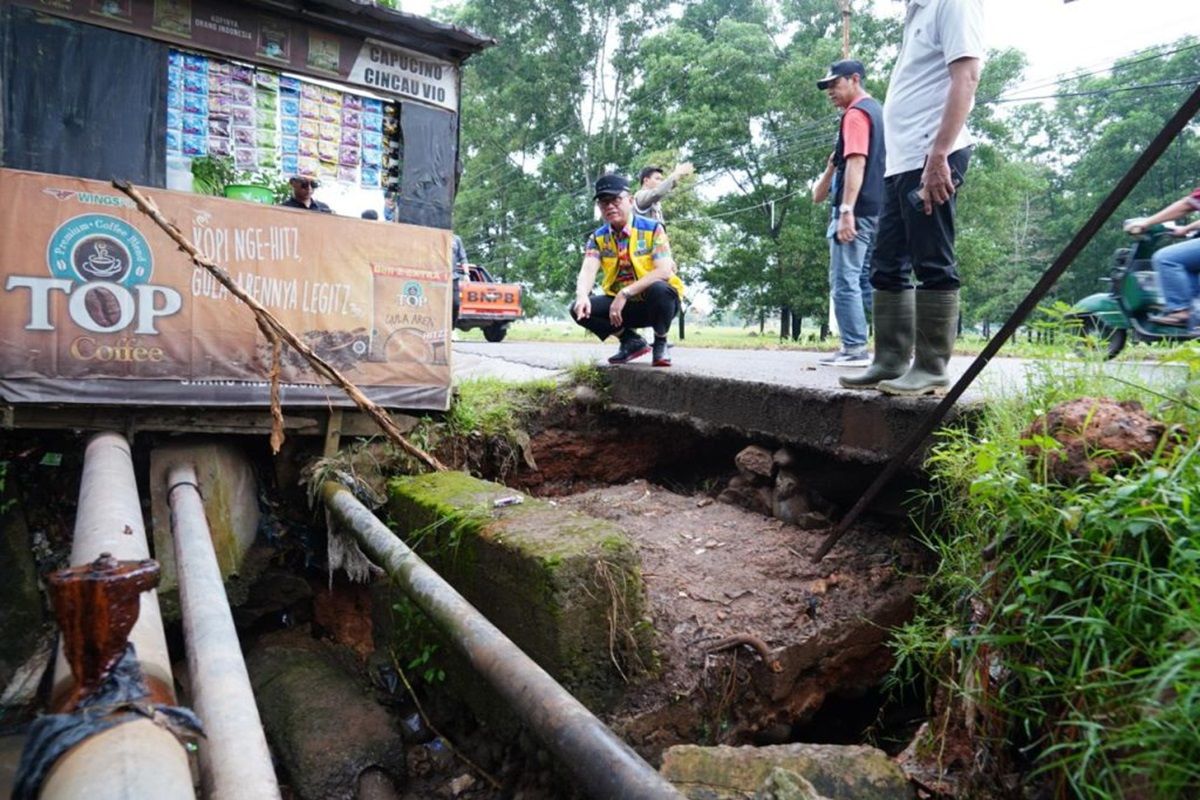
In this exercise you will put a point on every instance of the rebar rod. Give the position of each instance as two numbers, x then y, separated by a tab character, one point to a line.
1105	210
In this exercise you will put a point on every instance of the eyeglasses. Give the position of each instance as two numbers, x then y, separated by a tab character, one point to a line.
306	184
611	200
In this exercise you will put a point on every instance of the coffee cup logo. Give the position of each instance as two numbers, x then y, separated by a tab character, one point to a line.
101	258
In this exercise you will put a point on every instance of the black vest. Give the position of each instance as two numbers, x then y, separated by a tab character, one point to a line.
870	196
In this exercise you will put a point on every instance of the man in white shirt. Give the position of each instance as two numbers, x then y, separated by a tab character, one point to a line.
932	90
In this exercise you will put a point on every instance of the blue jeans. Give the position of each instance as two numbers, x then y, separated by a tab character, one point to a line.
850	281
1178	268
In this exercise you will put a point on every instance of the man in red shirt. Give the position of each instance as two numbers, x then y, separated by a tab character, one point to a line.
853	182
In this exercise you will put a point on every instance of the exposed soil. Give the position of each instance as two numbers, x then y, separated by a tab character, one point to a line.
714	572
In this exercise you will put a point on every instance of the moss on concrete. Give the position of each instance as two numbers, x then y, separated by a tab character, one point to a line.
852	772
565	587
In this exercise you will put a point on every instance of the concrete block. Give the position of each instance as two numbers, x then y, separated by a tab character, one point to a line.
229	489
565	587
324	727
838	772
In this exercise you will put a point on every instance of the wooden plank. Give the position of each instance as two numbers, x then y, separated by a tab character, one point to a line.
130	419
333	433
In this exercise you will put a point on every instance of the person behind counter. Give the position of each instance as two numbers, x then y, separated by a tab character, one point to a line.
302	195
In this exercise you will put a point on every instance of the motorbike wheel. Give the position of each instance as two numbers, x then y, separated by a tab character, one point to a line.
495	333
1112	339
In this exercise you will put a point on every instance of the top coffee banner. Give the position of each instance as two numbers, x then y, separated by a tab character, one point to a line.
98	304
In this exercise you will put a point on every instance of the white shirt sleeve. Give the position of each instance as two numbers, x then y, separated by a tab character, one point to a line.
960	28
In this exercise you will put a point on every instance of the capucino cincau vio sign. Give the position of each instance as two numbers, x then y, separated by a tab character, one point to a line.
99	305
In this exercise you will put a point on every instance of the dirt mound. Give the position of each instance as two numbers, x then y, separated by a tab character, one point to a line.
1096	435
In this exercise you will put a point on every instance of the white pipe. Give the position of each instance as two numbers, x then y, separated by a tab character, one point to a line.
109	520
135	760
235	763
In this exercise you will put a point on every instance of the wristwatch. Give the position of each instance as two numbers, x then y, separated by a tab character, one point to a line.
845	208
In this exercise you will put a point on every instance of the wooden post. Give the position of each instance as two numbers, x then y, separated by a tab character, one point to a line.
844	6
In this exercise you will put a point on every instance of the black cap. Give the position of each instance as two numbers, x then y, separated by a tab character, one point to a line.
842	69
610	185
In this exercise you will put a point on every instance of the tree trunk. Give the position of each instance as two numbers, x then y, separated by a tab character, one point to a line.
785	322
682	313
762	322
824	330
796	324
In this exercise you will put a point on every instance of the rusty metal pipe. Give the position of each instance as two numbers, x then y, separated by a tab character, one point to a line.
138	759
606	767
234	760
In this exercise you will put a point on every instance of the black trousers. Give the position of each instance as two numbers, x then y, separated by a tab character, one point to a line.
911	242
653	308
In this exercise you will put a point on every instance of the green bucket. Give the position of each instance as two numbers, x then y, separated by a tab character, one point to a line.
255	194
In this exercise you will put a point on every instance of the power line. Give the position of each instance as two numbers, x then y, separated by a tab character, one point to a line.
805	137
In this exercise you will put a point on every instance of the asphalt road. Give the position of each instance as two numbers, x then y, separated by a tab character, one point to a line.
518	361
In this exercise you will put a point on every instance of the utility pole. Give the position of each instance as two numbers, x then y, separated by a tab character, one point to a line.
844	5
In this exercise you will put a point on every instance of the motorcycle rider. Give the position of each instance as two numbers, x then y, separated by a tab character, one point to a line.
1177	265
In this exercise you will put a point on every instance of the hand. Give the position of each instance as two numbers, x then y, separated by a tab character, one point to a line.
829	162
583	307
937	184
1135	226
686	168
614	310
847	230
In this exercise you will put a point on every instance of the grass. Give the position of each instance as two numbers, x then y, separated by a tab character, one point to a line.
1063	623
493	407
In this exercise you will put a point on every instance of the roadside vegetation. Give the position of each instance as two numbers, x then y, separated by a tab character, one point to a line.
1060	636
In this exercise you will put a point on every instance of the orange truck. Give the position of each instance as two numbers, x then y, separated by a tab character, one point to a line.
486	303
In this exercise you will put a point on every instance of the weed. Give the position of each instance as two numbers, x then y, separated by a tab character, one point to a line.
586	373
415	633
1061	621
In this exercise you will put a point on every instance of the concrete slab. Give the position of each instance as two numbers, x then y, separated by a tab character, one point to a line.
565	587
787	396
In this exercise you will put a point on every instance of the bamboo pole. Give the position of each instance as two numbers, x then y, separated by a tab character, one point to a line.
275	330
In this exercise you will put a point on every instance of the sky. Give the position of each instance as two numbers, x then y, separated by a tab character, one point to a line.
1057	37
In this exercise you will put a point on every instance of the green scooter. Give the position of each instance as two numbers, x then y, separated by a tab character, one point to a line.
1132	298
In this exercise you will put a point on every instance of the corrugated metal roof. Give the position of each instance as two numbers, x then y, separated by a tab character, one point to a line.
365	18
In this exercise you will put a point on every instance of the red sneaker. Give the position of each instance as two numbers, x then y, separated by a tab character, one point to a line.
662	353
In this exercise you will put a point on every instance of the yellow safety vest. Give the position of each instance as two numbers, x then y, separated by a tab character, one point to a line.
641	255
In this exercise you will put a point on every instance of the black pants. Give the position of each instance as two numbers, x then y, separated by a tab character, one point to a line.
910	241
654	308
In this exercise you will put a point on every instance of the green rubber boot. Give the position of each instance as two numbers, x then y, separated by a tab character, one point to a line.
937	328
893	314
